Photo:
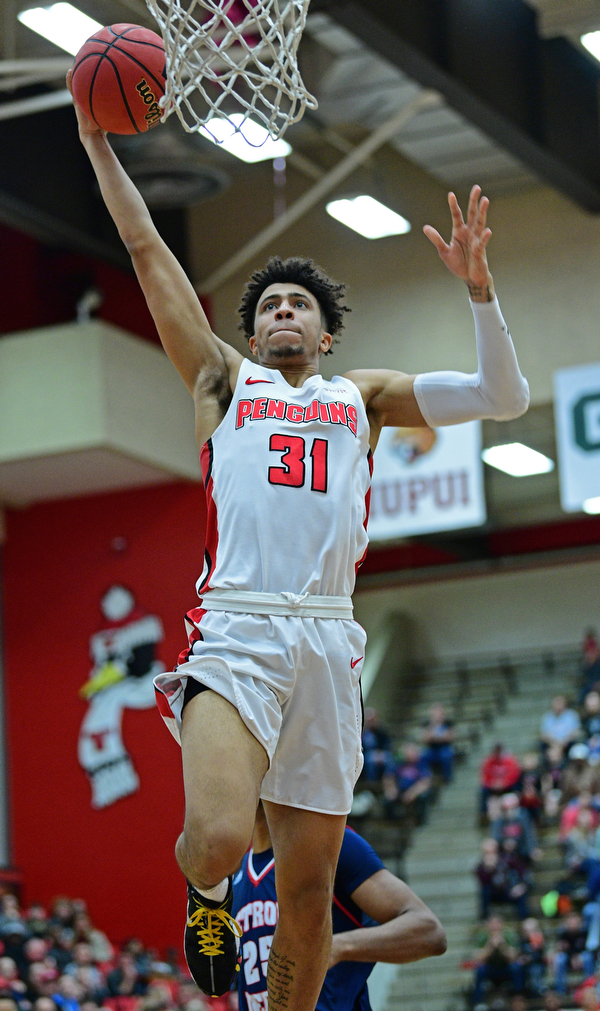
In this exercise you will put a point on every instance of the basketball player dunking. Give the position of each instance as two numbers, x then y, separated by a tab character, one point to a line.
266	699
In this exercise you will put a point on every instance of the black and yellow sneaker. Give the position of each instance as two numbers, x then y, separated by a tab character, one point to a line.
211	942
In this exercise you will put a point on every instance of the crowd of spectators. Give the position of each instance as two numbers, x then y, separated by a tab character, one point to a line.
556	791
59	961
406	773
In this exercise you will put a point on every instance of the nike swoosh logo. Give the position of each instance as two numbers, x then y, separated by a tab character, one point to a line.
354	662
251	382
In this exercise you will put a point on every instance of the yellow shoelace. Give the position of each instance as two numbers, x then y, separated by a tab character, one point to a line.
210	934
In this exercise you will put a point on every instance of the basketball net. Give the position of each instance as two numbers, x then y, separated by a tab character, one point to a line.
225	54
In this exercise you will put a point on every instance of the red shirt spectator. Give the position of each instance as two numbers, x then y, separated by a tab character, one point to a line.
500	771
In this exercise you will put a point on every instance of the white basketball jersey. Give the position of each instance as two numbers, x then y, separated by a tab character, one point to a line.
287	478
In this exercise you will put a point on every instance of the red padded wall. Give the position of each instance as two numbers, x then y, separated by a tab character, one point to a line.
59	557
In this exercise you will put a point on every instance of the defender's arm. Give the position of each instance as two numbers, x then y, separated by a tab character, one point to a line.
407	929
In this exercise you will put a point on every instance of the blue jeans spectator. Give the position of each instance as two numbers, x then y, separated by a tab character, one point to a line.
512	972
562	961
591	868
441	759
378	764
535	977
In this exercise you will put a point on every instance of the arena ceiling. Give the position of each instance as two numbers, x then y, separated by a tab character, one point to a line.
518	96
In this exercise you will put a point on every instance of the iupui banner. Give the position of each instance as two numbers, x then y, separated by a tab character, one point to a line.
427	479
577	418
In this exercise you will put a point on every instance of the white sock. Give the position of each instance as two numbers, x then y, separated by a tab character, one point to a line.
216	894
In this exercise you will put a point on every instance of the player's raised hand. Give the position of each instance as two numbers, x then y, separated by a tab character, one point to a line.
87	127
465	254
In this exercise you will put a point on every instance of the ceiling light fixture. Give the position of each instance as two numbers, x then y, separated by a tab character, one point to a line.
517	460
591	41
592	506
368	217
252	145
61	24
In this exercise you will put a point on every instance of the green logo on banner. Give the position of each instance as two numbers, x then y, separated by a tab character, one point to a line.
586	420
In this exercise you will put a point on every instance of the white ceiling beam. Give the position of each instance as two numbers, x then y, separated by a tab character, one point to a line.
53	65
37	103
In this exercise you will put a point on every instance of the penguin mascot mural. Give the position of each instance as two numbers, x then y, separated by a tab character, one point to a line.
123	652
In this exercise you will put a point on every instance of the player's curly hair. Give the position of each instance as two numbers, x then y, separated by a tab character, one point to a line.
296	270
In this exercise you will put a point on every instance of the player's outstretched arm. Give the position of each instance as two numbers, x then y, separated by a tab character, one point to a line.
197	354
497	390
407	929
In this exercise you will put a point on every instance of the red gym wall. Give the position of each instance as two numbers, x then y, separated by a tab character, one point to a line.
58	559
40	286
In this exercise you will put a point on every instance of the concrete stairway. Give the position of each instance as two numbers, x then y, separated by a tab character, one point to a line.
440	861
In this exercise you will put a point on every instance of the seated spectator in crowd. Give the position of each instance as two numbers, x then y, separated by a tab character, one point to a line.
9	911
68	994
10	984
101	947
410	785
84	970
578	776
531	786
588	999
13	937
590	662
570	814
125	980
141	956
438	738
554	763
570	952
552	1001
376	743
37	920
36	949
500	773
44	1004
63	912
582	853
62	944
497	959
41	979
503	878
590	717
560	726
514	823
8	1004
532	956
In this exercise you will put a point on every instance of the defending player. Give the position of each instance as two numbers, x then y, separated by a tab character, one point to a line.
376	918
266	701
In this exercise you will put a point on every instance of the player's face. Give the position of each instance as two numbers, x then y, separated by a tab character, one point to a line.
288	325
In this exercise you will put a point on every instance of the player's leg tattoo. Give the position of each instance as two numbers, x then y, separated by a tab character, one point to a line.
280	980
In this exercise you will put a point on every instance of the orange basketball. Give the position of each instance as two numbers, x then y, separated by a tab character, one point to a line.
119	77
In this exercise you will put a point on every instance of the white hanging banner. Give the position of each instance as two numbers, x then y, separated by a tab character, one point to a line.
577	418
425	480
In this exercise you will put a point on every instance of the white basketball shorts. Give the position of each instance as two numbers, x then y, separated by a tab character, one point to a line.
296	685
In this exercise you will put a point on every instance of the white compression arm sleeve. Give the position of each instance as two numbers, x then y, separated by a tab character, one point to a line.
497	390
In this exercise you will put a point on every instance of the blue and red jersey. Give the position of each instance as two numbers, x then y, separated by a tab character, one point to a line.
256	910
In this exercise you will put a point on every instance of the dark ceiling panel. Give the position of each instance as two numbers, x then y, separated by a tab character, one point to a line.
537	98
48	190
46	185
